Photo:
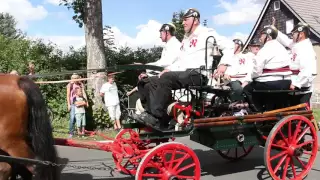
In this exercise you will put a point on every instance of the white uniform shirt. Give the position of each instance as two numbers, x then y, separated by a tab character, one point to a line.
192	54
303	61
169	53
240	67
271	63
111	97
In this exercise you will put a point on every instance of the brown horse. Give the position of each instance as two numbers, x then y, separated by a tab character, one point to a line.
25	129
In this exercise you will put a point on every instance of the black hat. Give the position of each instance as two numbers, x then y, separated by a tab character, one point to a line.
255	42
271	31
301	27
168	27
191	12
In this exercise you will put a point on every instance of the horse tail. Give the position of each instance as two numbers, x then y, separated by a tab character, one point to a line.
39	130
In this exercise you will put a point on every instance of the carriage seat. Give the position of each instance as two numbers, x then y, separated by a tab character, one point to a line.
274	99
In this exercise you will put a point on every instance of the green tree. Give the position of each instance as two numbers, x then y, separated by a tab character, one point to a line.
177	20
8	26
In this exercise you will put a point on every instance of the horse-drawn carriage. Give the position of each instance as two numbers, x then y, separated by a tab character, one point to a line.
288	133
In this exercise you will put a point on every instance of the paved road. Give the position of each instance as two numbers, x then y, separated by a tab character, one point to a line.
214	167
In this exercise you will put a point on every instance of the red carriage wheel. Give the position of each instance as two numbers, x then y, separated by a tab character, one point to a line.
130	151
292	142
171	160
235	154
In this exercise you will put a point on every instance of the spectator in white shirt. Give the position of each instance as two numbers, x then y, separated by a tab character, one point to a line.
109	91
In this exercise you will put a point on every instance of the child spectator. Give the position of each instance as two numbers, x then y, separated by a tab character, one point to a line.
80	113
109	91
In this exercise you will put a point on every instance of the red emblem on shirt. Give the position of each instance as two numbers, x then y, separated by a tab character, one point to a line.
294	57
242	61
193	42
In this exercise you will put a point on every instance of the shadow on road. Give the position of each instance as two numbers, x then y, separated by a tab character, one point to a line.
213	164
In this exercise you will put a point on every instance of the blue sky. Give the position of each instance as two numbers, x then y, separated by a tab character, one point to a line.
228	17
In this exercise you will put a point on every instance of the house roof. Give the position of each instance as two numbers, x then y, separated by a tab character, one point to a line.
307	11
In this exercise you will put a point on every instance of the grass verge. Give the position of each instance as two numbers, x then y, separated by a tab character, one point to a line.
61	131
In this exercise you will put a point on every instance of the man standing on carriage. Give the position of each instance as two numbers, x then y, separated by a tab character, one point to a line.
270	67
303	62
184	71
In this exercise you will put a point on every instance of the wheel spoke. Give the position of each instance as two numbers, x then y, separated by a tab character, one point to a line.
283	137
172	158
305	143
292	167
296	132
285	169
186	156
279	146
279	163
184	168
278	155
303	165
289	132
302	134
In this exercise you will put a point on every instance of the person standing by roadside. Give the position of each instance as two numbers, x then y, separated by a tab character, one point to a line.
71	93
109	91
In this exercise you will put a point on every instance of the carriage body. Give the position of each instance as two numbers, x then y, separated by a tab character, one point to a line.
221	129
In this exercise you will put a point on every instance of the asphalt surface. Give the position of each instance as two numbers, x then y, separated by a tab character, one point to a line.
214	167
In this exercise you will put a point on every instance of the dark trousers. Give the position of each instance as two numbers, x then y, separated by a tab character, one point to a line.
158	91
236	93
144	87
269	85
300	98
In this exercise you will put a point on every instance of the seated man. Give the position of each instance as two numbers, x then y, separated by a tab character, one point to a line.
236	70
182	73
270	67
172	46
254	47
303	64
169	53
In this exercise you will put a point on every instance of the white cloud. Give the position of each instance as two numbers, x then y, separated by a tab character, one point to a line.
238	35
53	2
239	12
23	11
148	36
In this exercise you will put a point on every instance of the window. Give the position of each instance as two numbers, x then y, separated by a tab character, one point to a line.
289	25
276	5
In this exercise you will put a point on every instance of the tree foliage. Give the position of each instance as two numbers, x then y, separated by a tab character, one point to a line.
78	7
177	20
8	26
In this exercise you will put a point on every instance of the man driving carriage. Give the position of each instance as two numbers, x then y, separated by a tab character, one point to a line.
303	62
270	68
182	73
